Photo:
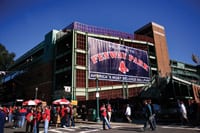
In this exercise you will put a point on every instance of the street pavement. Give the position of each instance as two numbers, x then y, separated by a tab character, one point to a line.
117	127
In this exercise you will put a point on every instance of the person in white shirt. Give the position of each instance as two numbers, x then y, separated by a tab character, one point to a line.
184	113
109	112
128	113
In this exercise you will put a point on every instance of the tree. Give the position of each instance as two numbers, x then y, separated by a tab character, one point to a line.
6	58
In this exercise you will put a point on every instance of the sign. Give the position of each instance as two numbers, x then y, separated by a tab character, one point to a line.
97	94
19	100
67	88
116	62
74	102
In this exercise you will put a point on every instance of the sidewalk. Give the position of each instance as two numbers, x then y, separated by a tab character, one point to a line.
135	123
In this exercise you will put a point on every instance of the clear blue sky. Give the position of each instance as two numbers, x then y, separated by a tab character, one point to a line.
23	23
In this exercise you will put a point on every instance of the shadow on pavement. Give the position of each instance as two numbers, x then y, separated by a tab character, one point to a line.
128	129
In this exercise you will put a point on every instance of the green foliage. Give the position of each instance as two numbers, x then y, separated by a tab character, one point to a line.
6	58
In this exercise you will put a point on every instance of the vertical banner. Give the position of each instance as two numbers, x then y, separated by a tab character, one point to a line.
115	62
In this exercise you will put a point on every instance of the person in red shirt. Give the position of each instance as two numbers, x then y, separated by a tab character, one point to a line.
29	121
46	118
37	118
5	109
104	117
10	114
23	113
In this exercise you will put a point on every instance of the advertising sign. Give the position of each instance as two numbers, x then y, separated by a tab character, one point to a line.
116	62
74	102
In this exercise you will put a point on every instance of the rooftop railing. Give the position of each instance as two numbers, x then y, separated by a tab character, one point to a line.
98	30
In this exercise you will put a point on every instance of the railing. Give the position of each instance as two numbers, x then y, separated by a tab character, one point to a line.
98	30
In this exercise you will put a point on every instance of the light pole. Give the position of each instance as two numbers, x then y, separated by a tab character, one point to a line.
97	96
36	90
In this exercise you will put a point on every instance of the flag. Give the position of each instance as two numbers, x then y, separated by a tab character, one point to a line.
195	59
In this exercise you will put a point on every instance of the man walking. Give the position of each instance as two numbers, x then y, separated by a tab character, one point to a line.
184	118
147	115
128	113
152	117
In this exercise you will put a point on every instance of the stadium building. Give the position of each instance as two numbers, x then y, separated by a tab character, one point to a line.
82	62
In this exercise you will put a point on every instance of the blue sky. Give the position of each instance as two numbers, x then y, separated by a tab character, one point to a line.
23	23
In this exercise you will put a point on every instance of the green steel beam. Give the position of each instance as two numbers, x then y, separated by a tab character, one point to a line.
86	72
73	66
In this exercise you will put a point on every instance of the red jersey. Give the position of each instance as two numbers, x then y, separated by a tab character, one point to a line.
29	117
38	116
63	110
103	111
5	110
23	110
10	110
46	115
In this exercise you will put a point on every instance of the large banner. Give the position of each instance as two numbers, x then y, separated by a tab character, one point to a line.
115	62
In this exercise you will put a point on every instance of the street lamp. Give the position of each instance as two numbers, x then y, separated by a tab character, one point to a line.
97	96
36	90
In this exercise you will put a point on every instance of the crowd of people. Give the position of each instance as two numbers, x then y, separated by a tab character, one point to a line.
187	114
30	117
65	115
148	112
